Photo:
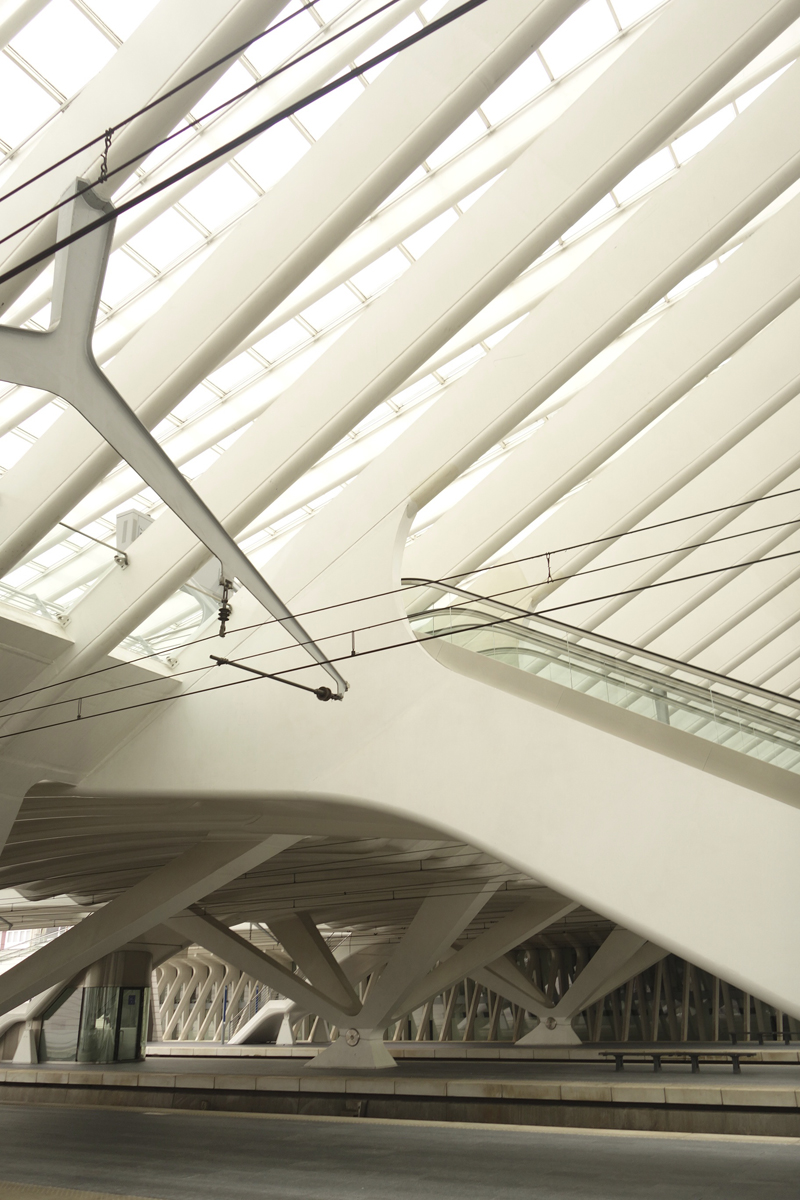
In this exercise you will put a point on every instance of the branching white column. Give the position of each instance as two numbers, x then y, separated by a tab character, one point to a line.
228	945
437	924
415	103
303	942
163	52
62	361
524	922
562	174
621	956
204	868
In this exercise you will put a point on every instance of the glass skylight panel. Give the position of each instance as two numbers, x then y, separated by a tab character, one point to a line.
461	363
629	11
467	201
39	422
330	308
196	466
602	209
166	239
53	556
63	46
329	9
270	156
519	89
235	80
469	131
417	243
431	8
122	16
235	372
380	273
403	29
645	175
698	138
21	577
320	115
579	37
282	41
124	276
220	198
416	176
24	106
747	99
199	399
282	341
12	448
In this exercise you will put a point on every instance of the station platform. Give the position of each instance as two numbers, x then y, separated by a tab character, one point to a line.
518	1087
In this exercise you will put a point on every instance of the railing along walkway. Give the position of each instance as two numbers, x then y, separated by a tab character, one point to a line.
748	719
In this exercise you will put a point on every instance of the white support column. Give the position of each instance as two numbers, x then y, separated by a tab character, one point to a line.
304	944
228	945
524	922
415	103
621	956
62	360
504	977
204	868
437	924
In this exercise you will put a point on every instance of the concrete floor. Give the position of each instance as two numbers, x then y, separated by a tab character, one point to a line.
200	1156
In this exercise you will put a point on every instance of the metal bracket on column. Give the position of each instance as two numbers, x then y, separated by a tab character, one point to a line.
62	361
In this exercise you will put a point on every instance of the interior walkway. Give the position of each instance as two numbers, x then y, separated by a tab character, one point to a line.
194	1156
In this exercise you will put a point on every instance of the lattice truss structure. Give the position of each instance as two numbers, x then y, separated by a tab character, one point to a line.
533	283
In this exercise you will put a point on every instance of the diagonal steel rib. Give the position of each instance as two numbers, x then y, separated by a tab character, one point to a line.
62	361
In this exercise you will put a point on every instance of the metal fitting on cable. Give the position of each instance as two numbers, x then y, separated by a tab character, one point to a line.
225	609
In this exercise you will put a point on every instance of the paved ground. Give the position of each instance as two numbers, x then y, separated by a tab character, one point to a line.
752	1074
199	1156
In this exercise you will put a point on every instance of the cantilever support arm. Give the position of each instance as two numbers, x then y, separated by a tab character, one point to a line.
62	361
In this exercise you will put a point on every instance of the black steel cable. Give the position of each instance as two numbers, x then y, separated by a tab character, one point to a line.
418	586
463	603
229	147
140	112
343	658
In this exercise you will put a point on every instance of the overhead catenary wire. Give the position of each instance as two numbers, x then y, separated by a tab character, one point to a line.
234	143
442	581
173	91
105	174
504	620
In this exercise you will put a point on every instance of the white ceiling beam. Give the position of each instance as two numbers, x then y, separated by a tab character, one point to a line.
597	141
671	235
164	51
410	108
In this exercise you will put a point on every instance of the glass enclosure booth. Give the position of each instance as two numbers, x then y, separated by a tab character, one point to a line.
102	1016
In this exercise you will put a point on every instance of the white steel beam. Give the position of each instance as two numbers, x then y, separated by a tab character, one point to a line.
671	235
163	52
206	931
524	922
304	944
204	868
63	361
596	142
387	132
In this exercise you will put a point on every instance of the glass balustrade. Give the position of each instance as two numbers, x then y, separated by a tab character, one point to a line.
729	712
